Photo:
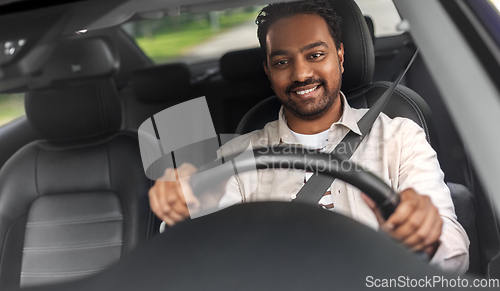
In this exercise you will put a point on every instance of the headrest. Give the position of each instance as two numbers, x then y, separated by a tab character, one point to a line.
72	59
76	111
77	59
242	65
359	54
162	83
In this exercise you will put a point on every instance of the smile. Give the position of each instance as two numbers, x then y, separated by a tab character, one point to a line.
306	91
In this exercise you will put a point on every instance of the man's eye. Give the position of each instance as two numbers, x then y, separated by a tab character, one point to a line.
316	55
280	63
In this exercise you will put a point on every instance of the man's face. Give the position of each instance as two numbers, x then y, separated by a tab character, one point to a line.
303	65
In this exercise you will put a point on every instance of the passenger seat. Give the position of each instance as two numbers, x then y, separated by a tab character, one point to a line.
73	202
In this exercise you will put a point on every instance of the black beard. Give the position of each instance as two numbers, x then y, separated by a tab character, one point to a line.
302	110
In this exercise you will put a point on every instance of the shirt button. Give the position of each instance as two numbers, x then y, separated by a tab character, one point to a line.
293	196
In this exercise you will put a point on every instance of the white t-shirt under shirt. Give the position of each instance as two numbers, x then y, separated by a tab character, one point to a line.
312	141
316	141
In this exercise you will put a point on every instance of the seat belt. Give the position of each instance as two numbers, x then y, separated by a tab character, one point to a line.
316	186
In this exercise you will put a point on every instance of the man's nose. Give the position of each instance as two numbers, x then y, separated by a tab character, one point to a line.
301	71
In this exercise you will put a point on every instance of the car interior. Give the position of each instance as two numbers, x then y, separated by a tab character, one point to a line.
73	193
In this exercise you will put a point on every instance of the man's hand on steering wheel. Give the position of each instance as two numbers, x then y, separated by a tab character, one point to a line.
168	200
416	221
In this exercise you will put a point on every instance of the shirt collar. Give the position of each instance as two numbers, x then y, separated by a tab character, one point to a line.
348	120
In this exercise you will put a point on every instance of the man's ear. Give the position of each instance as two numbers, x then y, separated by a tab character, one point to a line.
340	55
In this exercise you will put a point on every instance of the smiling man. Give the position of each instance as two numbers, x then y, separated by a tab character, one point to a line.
304	65
304	62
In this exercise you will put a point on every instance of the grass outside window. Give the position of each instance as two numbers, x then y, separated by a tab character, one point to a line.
168	38
11	107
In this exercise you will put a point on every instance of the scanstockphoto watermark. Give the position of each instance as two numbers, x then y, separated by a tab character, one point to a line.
316	166
372	148
430	282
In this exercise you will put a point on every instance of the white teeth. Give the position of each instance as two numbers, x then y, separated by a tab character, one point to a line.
306	91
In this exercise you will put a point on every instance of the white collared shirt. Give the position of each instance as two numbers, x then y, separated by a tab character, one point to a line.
395	150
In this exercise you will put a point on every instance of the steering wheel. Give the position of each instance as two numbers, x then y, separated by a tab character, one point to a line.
268	245
280	157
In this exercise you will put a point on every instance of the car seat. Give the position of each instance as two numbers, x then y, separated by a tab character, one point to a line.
72	203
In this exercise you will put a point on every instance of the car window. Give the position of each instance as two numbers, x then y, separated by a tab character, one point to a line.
192	37
11	107
384	15
496	3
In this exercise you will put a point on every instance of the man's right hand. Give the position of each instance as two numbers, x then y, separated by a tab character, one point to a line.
171	194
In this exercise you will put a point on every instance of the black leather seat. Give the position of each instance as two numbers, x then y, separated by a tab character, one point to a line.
361	92
72	203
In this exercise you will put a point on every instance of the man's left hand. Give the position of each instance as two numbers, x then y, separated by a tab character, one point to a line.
416	221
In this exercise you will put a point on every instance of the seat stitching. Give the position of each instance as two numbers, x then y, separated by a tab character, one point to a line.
76	221
69	247
61	274
49	147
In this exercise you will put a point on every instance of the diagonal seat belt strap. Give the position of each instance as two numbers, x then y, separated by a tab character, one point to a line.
317	185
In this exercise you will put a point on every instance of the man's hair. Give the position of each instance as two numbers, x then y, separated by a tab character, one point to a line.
274	12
